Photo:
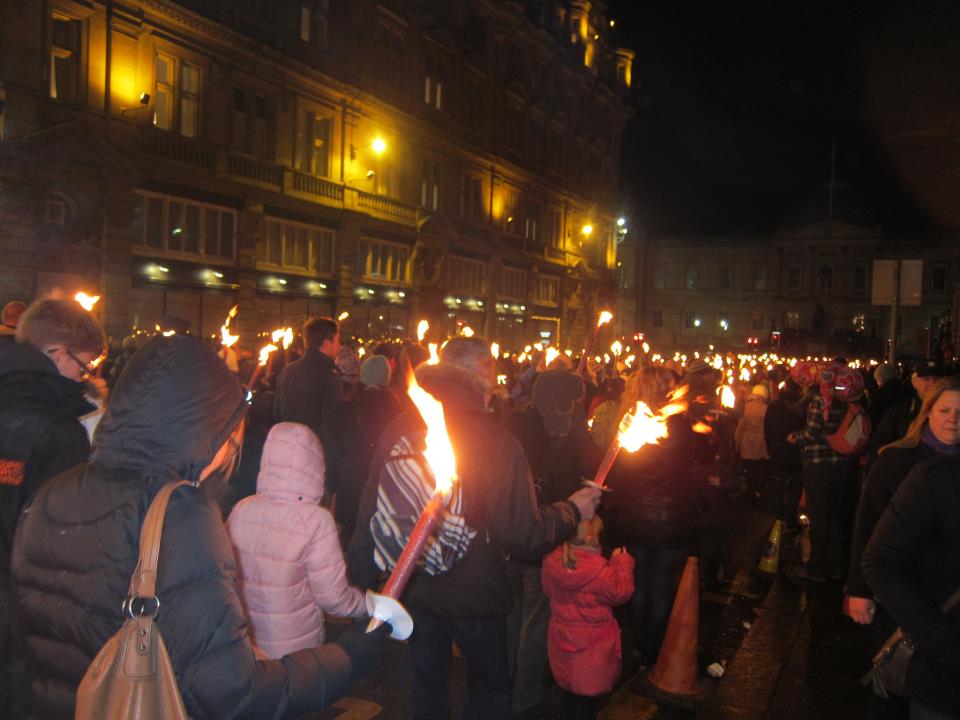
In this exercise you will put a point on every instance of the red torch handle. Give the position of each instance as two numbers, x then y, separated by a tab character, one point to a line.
414	548
601	477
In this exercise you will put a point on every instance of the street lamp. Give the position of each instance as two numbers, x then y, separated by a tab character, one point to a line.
724	326
696	332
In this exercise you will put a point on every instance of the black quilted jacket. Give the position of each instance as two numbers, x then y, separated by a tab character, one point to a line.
76	548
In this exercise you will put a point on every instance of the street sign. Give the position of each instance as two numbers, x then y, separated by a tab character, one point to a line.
911	282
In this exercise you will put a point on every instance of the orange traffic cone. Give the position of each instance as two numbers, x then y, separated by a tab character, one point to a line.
770	560
675	678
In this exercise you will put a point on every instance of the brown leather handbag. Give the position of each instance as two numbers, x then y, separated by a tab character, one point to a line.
131	678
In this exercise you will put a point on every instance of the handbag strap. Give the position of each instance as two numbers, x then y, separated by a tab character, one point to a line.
144	580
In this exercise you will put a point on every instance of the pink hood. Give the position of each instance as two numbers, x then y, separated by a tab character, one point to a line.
292	466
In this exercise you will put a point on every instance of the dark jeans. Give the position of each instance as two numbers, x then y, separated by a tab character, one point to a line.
786	487
656	574
527	635
824	483
483	642
755	472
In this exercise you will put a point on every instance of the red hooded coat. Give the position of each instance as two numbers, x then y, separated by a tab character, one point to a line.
583	642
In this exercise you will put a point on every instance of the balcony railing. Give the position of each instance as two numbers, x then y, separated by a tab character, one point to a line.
387	206
260	171
312	185
176	148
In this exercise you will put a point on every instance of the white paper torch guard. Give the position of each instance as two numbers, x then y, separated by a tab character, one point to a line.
386	609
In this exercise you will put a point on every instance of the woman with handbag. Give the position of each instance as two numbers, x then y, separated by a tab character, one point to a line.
176	414
912	564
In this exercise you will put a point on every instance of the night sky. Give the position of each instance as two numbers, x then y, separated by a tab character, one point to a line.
738	105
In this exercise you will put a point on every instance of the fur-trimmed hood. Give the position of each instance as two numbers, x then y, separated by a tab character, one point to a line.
454	385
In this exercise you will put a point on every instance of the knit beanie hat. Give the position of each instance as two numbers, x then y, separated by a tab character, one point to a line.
348	363
375	371
555	395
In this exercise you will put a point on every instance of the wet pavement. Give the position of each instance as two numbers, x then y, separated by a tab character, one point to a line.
788	652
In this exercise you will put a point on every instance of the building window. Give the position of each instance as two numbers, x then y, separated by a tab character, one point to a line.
791	320
66	45
658	318
758	322
250	132
939	278
313	23
466	276
383	261
313	143
693	277
511	211
547	290
175	225
430	185
859	279
658	277
389	52
531	222
826	280
724	277
513	284
556	230
59	209
690	321
760	277
177	96
471	198
296	246
433	84
794	278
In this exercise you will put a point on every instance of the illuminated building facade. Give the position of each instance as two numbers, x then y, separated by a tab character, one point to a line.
455	160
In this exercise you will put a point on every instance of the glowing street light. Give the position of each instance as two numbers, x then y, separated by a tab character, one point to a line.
587	230
621	221
379	145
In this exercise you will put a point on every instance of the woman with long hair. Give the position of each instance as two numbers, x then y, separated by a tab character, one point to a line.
934	432
653	509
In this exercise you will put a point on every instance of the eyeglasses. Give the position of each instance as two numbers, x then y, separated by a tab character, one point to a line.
88	368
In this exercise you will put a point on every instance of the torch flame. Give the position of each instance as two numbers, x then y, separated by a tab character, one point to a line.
641	427
439	452
702	428
284	334
227	339
495	350
616	347
605	317
86	301
727	397
467	331
422	328
265	353
551	355
434	357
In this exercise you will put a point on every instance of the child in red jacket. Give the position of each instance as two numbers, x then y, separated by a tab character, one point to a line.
583	642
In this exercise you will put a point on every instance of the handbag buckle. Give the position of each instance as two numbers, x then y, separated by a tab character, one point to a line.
136	606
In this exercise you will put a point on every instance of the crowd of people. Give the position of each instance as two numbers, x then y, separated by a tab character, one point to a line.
296	484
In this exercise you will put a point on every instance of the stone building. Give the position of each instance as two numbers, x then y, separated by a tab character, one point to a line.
455	160
808	286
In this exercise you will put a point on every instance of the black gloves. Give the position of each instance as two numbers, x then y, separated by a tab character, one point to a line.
364	649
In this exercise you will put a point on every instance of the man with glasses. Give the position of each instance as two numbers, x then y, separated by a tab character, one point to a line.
43	398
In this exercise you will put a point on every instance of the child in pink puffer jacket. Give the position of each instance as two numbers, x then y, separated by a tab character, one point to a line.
290	562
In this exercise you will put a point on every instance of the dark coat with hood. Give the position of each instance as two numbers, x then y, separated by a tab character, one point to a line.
77	545
498	501
40	434
655	495
912	563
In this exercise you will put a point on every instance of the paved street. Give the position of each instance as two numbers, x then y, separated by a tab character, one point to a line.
788	652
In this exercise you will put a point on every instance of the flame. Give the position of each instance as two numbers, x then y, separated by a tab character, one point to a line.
538	347
285	334
422	328
552	354
568	352
343	316
630	359
717	362
86	301
96	361
702	428
616	347
434	357
646	347
227	339
467	331
439	452
265	353
495	350
727	397
745	375
641	427
361	352
605	317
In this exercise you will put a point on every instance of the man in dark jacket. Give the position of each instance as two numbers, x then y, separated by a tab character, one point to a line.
176	413
308	392
785	416
40	433
468	603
